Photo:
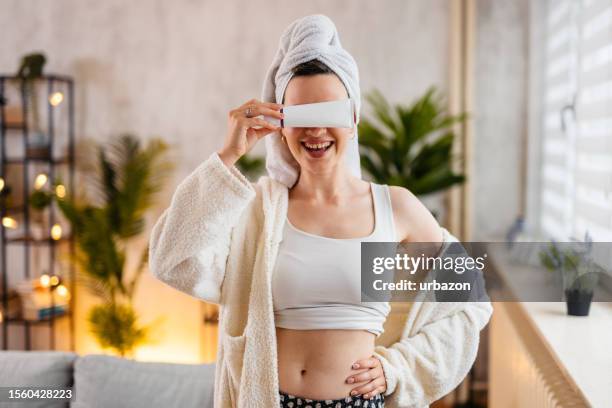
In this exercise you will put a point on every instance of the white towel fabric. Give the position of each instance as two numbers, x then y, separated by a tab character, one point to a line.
310	37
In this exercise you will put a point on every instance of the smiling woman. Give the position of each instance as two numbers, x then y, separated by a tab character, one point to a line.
282	255
322	327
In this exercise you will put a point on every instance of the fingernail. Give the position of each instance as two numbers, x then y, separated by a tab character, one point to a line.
353	392
365	396
351	380
355	365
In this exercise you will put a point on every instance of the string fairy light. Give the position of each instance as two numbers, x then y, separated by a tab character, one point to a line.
40	181
56	232
9	222
56	98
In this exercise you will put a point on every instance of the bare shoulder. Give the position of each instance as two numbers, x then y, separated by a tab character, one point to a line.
413	221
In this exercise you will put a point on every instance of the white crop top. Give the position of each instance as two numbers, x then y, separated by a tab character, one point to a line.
316	283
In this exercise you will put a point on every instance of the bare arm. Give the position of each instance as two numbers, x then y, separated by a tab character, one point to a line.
431	360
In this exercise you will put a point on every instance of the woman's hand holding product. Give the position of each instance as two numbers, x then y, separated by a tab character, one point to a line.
242	132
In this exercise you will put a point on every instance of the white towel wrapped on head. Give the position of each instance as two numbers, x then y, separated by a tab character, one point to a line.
308	38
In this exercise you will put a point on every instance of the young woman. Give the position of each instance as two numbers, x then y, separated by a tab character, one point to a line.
284	264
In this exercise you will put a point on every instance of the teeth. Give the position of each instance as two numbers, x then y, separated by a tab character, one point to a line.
317	146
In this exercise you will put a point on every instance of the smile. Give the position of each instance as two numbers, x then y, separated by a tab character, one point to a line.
317	146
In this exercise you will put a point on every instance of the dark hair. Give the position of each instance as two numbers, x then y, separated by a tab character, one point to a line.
312	67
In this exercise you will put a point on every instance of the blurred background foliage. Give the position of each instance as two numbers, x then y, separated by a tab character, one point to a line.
410	146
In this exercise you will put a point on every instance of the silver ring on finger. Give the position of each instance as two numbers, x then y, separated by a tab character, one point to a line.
248	112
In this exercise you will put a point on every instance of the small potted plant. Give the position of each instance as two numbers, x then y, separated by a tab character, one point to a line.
580	273
30	71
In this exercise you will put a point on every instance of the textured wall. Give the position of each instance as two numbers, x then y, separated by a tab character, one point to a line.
175	68
500	75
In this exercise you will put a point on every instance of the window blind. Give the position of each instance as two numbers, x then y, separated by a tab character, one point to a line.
576	178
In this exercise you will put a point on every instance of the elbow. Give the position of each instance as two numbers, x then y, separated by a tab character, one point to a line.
157	267
477	315
483	312
154	268
162	268
187	278
152	255
187	270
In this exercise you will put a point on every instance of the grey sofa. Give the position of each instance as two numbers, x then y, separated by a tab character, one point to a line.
105	381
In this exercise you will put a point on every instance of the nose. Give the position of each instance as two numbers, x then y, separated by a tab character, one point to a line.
312	131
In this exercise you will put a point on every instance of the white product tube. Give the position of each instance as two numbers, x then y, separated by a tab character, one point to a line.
333	114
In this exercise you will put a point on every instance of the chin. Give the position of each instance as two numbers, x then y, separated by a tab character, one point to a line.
327	161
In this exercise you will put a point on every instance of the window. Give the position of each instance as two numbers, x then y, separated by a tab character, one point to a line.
576	145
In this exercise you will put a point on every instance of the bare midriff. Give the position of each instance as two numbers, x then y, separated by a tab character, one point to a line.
315	364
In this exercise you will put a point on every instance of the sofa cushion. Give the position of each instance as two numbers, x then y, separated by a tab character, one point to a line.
36	368
105	381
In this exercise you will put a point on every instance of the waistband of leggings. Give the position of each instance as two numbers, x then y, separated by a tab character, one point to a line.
289	397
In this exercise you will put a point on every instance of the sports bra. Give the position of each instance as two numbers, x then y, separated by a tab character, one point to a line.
316	282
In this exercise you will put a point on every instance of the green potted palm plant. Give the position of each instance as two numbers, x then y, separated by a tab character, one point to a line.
410	146
105	223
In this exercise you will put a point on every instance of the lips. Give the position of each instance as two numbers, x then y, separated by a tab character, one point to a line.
317	145
317	148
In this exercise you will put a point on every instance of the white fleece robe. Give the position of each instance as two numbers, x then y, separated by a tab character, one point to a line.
218	241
